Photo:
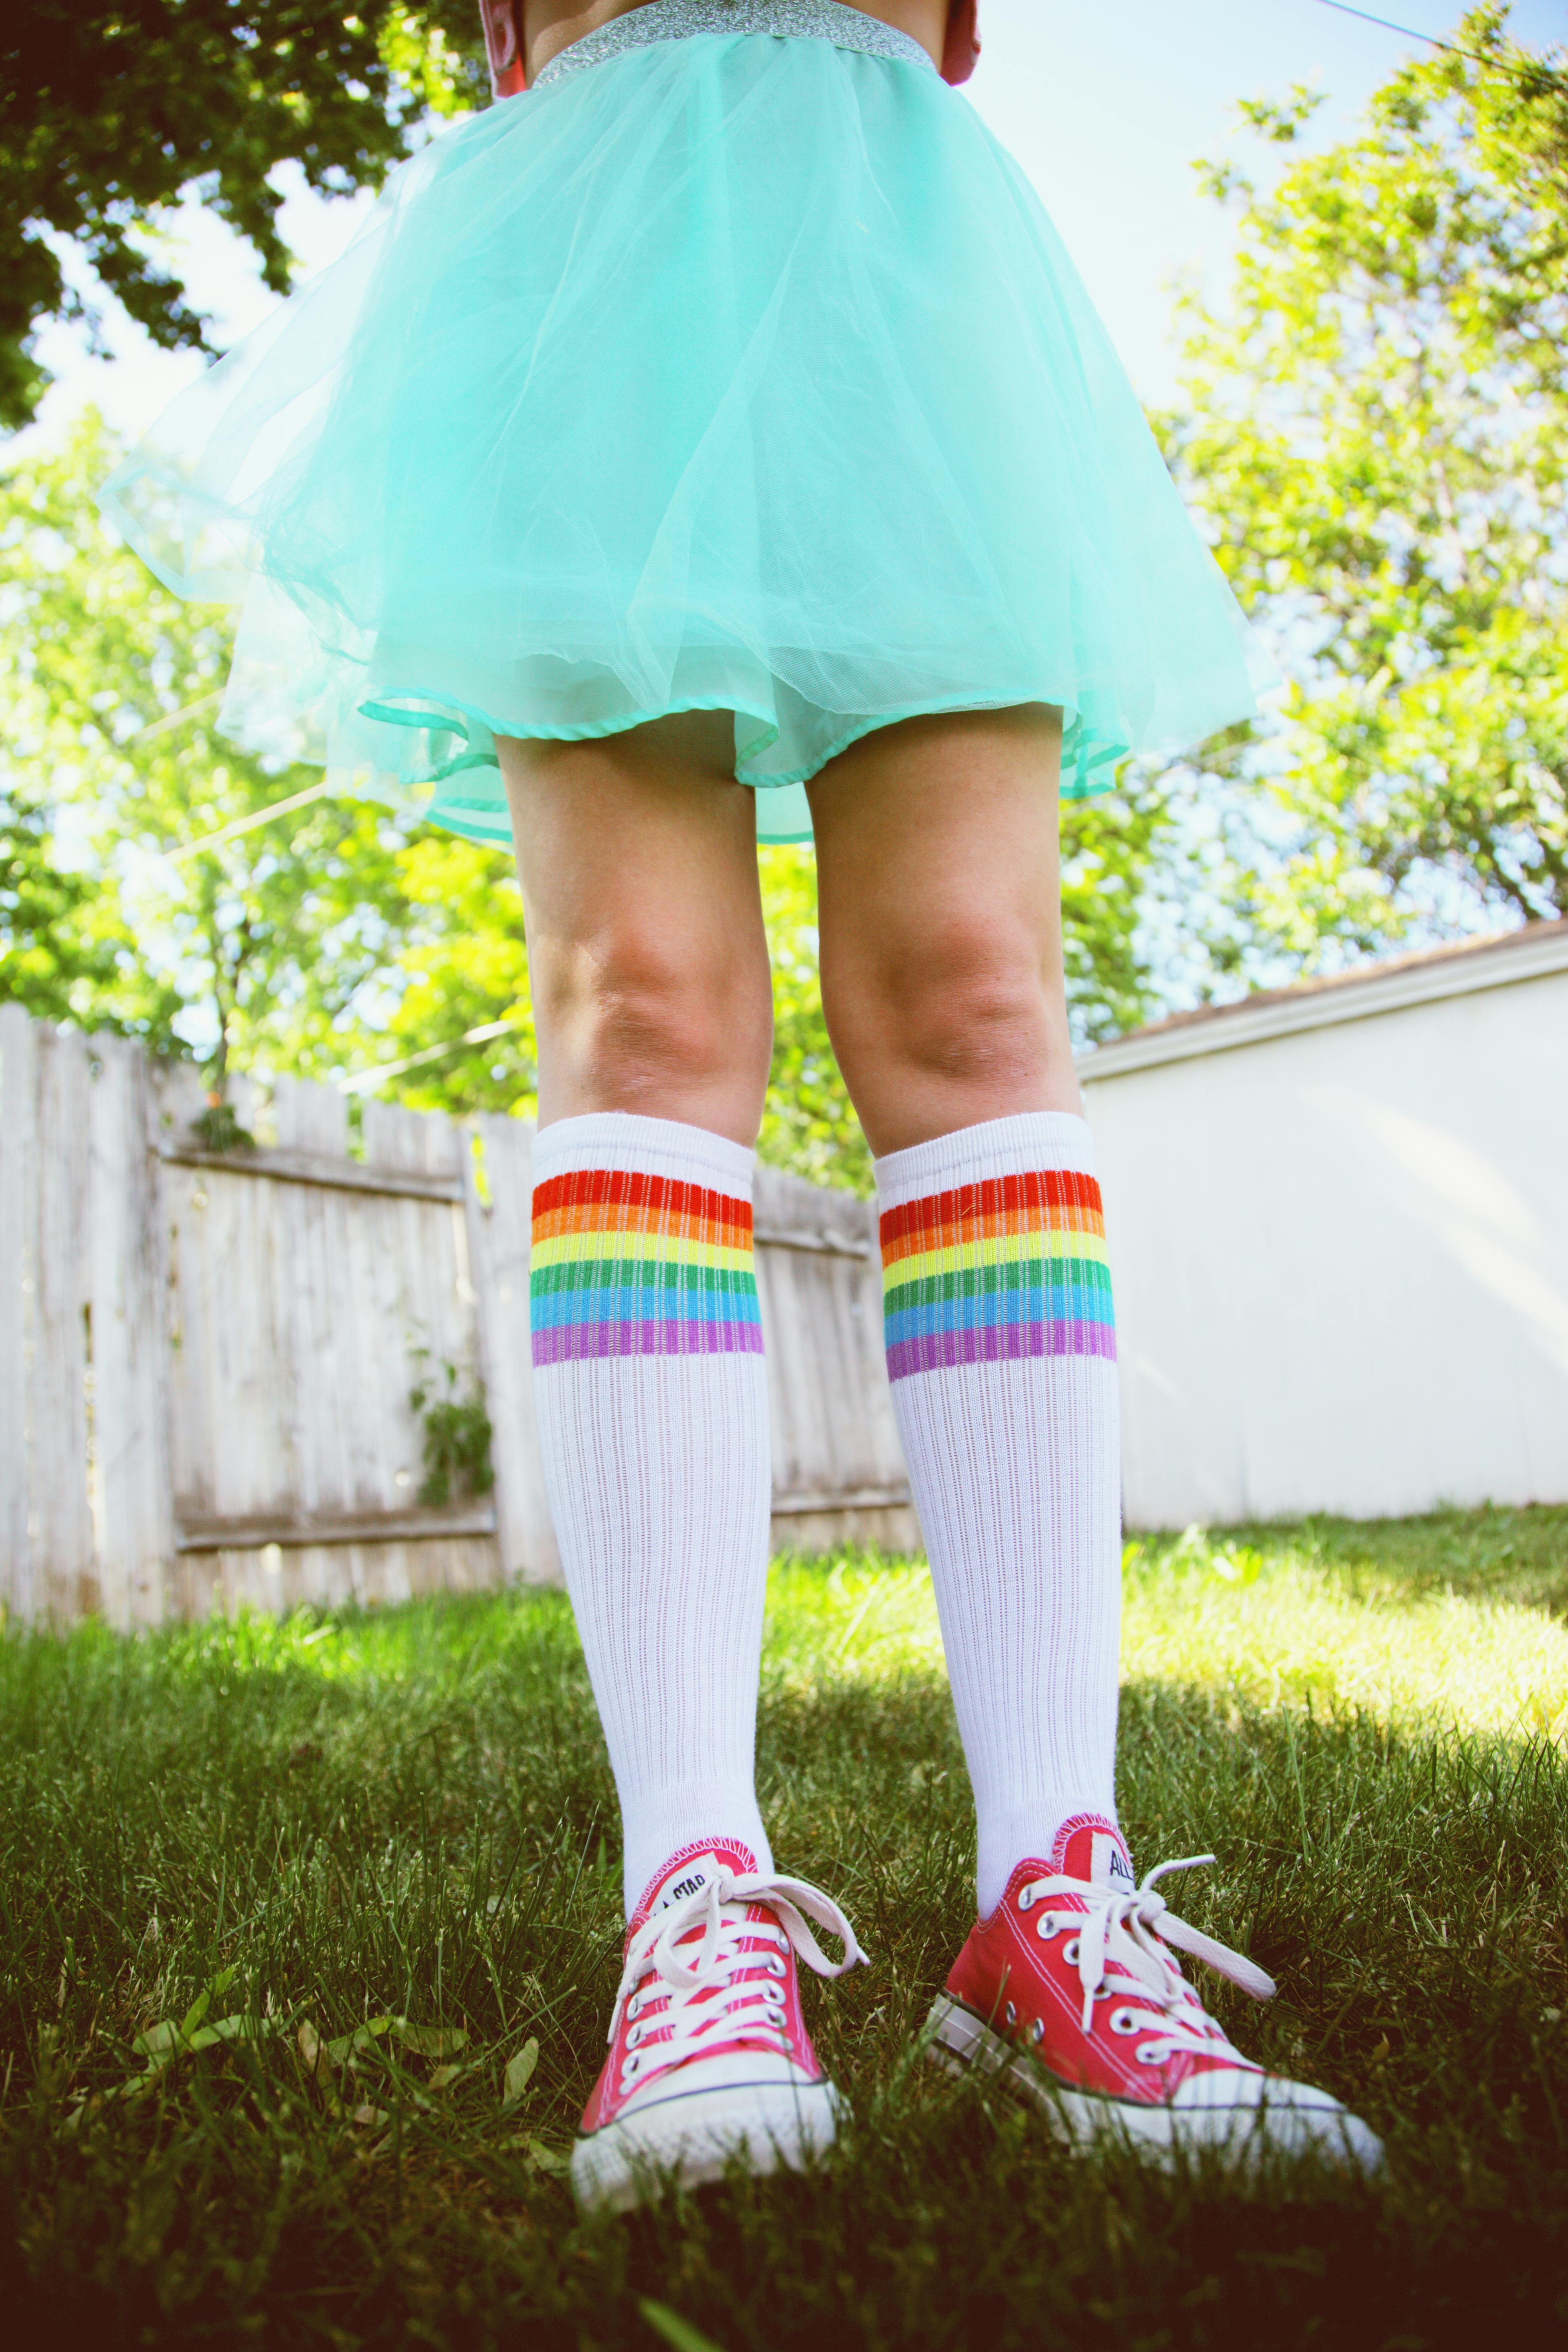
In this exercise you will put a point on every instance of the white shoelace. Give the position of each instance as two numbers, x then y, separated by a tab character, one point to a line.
696	2002
1117	1926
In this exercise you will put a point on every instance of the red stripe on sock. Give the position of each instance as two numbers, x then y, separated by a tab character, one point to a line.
663	1197
1040	1190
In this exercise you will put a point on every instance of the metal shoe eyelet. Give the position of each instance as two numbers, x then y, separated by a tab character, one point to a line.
1011	2014
1050	1925
1123	2021
1150	2054
1036	2030
1025	1899
1070	1952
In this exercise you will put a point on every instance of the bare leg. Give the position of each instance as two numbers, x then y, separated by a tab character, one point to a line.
941	964
646	947
651	999
940	908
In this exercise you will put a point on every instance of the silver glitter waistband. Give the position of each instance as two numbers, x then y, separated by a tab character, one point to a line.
787	20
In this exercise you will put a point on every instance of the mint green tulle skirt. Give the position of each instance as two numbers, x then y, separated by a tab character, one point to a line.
731	373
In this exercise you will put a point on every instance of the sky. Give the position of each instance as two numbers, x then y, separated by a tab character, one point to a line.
1105	107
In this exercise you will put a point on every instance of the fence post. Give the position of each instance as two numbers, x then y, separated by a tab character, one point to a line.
129	1343
62	1572
18	1303
499	1230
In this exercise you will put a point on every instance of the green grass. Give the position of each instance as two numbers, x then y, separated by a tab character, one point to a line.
408	1816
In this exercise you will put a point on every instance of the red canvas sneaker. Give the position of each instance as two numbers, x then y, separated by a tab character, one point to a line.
1070	1990
708	2053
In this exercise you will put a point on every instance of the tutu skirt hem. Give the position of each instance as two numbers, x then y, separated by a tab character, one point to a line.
732	372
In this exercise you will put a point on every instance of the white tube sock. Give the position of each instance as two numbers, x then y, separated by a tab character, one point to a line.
1002	1350
652	1400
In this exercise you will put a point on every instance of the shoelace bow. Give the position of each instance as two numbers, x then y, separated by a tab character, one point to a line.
1117	1928
695	2009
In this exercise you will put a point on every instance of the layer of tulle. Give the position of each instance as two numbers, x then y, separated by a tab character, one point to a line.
736	374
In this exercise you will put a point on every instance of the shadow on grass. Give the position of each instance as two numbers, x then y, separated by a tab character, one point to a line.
416	1826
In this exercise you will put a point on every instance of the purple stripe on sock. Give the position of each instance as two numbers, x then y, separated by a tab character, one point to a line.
572	1343
940	1351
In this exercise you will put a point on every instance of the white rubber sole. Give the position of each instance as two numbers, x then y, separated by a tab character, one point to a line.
694	2137
959	2040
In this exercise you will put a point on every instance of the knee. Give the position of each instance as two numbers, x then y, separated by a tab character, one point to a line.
641	1018
968	1003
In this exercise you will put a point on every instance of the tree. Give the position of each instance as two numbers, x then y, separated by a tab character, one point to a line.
65	951
262	948
110	108
333	938
1378	429
462	968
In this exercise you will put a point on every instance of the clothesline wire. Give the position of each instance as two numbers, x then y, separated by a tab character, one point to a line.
1408	33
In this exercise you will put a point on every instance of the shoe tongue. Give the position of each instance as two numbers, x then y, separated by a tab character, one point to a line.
692	1869
1091	1847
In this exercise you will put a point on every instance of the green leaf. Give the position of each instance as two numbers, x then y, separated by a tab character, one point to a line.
520	2073
549	2160
674	2329
160	2040
240	2027
444	2077
196	2011
430	2041
348	2046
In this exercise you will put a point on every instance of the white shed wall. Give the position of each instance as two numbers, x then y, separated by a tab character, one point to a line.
1340	1258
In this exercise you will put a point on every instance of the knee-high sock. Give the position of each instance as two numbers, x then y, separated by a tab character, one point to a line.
652	1401
1002	1349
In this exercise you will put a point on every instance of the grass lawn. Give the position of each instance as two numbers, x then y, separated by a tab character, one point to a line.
276	1836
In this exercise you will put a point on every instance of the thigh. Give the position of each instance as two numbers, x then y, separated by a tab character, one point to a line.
647	957
941	921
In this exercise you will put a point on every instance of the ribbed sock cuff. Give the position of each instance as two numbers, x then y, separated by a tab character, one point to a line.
645	1147
976	1155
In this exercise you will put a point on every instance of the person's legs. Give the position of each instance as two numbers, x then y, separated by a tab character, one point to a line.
942	975
651	999
654	1014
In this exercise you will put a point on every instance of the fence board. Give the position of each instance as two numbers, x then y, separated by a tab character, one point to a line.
206	1359
65	1577
838	1469
134	1514
499	1220
19	1046
309	1117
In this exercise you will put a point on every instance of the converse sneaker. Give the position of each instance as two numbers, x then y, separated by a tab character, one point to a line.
1070	1990
709	2051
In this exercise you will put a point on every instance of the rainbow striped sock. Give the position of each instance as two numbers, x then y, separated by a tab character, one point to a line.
996	1271
1002	1350
651	1393
631	1265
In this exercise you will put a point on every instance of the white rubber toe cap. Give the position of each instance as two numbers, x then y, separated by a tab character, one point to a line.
687	2125
1226	2107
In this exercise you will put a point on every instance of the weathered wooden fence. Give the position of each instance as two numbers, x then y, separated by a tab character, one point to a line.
207	1358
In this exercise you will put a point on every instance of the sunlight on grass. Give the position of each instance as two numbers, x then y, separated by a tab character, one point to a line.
1285	1618
1289	1629
1277	1627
